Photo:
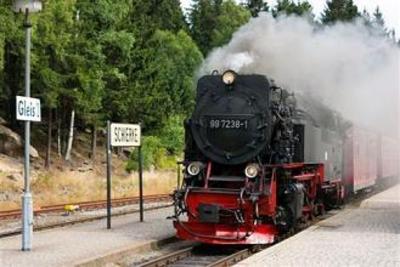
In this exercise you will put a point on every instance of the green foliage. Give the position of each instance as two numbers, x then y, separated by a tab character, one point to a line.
129	60
256	6
339	10
150	146
101	16
154	155
148	16
290	7
11	34
164	86
231	17
162	149
366	18
378	23
203	19
52	41
172	135
212	22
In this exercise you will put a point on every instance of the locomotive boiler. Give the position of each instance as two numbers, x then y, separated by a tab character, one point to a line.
252	167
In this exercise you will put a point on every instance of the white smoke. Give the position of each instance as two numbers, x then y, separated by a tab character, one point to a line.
344	65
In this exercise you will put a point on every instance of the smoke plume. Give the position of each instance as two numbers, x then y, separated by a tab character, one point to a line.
345	66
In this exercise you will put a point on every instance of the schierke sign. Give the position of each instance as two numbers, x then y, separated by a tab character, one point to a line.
125	134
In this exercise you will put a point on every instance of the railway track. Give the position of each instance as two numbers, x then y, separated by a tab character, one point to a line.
209	256
87	205
83	206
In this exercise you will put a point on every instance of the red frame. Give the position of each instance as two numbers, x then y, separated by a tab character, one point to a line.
252	231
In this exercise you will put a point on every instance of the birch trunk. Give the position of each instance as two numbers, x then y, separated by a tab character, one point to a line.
70	136
49	131
58	121
94	143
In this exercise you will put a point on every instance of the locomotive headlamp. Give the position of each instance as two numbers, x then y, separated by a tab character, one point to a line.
194	168
251	170
229	77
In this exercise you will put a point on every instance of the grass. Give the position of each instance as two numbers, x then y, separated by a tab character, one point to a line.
67	182
56	187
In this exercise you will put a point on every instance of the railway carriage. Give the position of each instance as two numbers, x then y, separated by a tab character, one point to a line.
388	157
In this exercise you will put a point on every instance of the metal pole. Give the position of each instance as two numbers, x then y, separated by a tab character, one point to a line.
108	175
27	212
140	182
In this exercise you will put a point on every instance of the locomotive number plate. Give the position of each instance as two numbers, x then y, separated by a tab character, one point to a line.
228	124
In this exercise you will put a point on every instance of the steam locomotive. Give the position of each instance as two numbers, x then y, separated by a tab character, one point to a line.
257	165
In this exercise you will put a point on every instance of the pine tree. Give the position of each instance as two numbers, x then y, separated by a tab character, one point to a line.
366	17
203	20
212	22
290	7
378	23
256	6
150	15
12	66
231	17
339	10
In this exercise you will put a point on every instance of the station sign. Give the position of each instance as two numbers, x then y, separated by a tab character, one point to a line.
28	109
125	134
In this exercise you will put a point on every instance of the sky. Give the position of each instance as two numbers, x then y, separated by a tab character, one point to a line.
389	8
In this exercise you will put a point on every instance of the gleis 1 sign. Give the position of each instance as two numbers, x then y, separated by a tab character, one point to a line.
28	109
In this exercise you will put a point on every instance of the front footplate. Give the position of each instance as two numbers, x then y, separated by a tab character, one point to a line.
225	234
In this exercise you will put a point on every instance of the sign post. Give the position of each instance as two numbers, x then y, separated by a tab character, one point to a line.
28	115
108	175
140	183
123	135
27	109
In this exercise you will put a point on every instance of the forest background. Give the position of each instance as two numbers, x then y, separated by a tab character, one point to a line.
126	61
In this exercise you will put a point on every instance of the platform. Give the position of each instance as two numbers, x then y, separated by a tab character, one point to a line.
365	236
389	199
82	243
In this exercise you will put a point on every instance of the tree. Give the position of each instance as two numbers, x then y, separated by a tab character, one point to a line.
378	23
212	22
203	20
339	10
125	60
11	68
52	42
165	86
289	7
366	18
148	16
104	53
231	17
256	6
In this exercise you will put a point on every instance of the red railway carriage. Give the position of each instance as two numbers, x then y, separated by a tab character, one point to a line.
360	159
388	157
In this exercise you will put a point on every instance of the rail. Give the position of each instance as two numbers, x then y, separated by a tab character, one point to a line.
86	205
189	257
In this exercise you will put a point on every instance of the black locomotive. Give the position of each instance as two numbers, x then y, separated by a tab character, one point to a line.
258	161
